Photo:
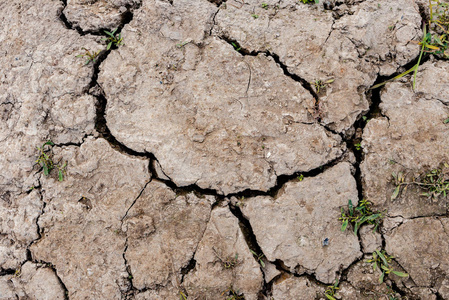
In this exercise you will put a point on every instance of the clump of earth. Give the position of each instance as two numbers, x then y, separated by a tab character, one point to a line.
207	149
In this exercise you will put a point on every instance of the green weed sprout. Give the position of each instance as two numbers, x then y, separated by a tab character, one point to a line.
258	258
330	291
381	261
91	57
46	162
435	182
61	171
264	5
229	262
359	215
182	296
44	159
233	294
113	39
310	1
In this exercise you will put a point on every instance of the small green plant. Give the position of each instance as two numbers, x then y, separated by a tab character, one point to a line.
300	177
61	171
359	215
331	290
358	146
310	1
236	47
382	262
264	5
182	44
182	296
258	258
113	39
45	160
435	182
446	121
255	16
233	294
229	262
320	85
91	57
45	157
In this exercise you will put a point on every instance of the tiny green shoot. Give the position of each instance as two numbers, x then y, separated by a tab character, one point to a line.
382	261
113	39
258	258
359	215
91	57
331	290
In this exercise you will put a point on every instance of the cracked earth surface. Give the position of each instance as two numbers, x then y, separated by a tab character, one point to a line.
184	148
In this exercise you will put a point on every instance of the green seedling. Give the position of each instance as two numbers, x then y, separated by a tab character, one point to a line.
61	171
236	47
182	296
358	146
45	157
320	84
382	262
182	44
45	160
113	39
301	177
264	5
255	16
435	182
233	294
91	57
357	216
229	262
446	121
310	1
331	290
258	258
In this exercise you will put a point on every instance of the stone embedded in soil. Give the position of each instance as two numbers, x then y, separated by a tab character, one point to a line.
373	38
421	246
34	281
98	14
163	230
81	223
211	116
222	242
411	139
292	226
296	288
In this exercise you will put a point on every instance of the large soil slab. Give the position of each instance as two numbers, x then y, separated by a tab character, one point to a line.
293	226
211	116
163	231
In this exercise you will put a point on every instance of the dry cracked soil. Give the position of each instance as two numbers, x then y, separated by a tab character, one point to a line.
209	153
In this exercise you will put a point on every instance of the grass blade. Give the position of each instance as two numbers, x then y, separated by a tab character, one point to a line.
395	193
400	274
